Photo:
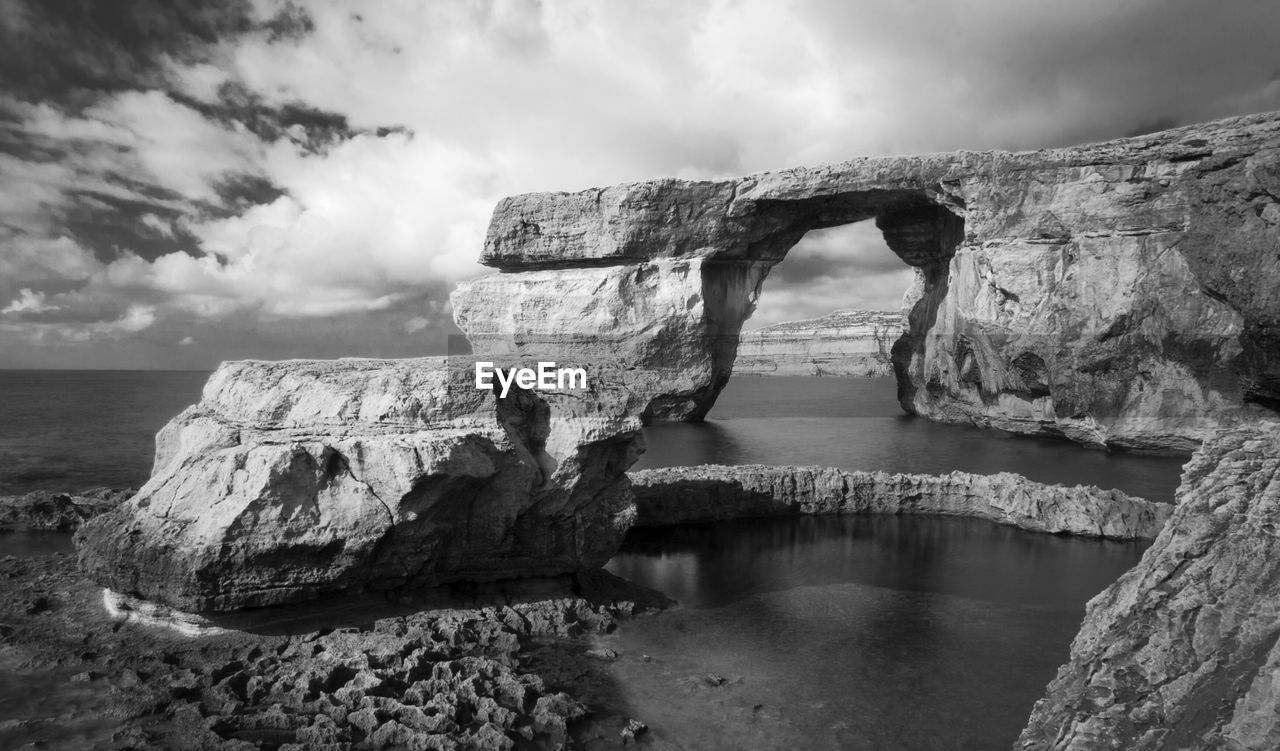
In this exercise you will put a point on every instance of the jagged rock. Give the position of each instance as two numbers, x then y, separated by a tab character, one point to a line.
1118	294
679	495
842	343
381	676
45	510
293	479
1183	651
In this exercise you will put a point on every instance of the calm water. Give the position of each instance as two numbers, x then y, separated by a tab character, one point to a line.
860	633
70	430
854	632
856	423
75	429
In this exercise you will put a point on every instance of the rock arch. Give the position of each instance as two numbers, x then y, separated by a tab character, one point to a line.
1082	292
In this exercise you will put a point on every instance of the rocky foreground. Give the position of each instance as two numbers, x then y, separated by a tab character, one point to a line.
43	510
1183	651
446	669
855	343
682	495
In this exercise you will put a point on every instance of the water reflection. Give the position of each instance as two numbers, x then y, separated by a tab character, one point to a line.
710	565
855	424
856	632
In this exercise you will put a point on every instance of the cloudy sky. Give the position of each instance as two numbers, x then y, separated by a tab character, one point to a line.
186	182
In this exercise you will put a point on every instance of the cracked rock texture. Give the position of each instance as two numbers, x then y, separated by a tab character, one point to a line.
842	343
49	511
680	495
1183	651
1116	294
289	480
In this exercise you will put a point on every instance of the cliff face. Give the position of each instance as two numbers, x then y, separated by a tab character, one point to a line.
682	495
1183	651
295	479
1117	294
843	343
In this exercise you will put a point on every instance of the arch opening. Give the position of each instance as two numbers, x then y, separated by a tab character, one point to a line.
922	231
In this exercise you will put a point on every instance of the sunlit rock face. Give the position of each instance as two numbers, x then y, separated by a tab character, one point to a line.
855	343
1183	651
290	480
1118	294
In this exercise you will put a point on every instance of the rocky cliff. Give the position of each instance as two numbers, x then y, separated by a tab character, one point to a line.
681	495
1118	294
293	479
1183	651
842	343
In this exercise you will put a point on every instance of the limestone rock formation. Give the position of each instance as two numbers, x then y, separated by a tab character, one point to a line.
842	343
1183	651
293	479
679	495
1118	294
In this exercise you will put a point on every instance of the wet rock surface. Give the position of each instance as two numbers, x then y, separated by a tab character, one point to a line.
1183	651
387	675
44	510
680	495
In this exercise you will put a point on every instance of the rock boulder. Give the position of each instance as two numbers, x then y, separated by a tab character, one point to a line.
293	479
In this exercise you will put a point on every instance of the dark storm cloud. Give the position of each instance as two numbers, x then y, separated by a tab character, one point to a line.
71	51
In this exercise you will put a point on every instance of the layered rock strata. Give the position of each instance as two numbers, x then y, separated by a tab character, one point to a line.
843	343
1118	294
293	479
1183	651
681	495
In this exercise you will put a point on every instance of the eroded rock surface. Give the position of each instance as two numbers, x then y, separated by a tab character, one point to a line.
679	495
448	669
1117	294
49	511
293	479
1183	651
843	343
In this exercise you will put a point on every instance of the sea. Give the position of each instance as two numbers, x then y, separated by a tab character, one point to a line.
824	632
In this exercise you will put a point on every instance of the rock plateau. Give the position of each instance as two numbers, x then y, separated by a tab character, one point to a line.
843	343
1118	294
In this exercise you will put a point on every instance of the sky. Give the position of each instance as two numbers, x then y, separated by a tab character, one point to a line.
186	182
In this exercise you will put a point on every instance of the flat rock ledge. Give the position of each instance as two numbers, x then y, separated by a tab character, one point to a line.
681	495
1183	651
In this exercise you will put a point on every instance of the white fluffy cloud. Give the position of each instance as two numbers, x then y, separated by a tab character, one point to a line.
505	97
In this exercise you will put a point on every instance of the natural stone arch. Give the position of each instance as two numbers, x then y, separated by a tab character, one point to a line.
626	273
1090	293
